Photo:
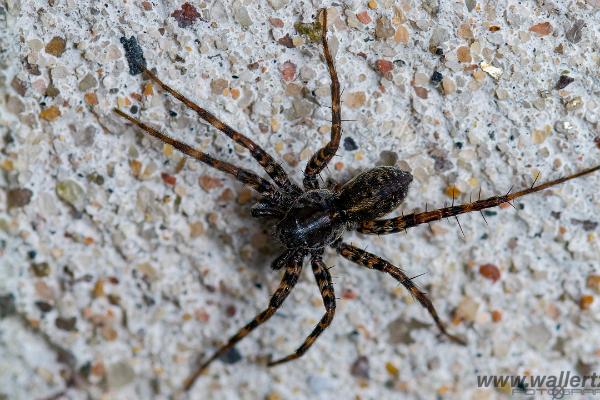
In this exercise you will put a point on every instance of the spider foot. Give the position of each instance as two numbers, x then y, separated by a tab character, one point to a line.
455	338
273	363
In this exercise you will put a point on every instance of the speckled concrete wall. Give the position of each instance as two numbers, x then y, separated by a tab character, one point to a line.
121	263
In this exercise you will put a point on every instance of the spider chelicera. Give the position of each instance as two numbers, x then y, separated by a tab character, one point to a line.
309	219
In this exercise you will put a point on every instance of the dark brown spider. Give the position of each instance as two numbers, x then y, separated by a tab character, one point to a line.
309	219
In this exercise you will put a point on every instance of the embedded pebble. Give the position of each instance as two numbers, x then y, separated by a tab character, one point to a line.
421	92
354	99
7	305
431	6
307	73
218	86
587	225
465	32
563	127
496	316
383	28
350	144
574	103
231	356
360	367
302	108
436	78
17	198
71	192
593	282
119	375
489	271
90	99
186	15
384	67
586	301
563	82
66	324
400	330
288	71
466	310
387	157
241	15
502	94
470	4
574	33
196	229
88	82
492	71
401	35
421	79
464	54
50	113
19	86
448	85
40	269
542	29
43	306
364	17
278	4
538	336
208	183
56	46
276	22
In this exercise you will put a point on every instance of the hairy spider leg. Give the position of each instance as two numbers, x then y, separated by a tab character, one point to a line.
323	279
321	158
290	277
273	169
393	225
259	184
372	261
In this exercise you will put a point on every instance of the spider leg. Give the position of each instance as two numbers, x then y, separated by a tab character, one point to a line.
393	225
259	184
266	208
321	158
323	279
372	261
290	277
273	169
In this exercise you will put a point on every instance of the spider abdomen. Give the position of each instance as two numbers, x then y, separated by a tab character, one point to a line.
312	222
373	193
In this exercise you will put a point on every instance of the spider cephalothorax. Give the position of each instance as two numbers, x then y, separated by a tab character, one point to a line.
319	217
309	219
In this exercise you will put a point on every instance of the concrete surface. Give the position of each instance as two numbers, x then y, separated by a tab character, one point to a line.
128	264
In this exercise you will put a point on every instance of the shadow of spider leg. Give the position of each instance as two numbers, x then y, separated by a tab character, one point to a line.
321	158
259	184
372	261
290	277
393	225
273	169
323	279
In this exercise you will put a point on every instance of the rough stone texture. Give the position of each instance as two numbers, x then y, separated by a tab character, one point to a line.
151	270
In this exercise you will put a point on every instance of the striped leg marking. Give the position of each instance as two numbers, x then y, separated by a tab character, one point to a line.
290	277
321	158
372	261
323	279
259	184
273	169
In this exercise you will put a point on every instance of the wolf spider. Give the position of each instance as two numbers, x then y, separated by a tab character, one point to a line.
308	219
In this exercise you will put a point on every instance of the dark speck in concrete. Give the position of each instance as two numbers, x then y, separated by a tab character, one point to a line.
350	144
134	54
